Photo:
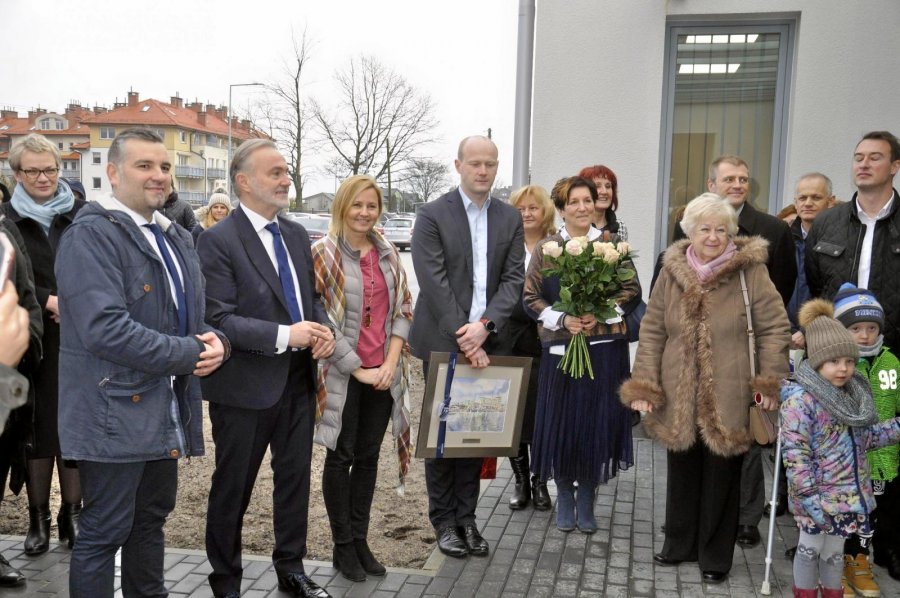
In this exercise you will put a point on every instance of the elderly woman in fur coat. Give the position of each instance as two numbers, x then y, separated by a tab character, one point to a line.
692	377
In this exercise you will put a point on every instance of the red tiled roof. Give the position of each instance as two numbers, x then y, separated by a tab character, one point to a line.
26	125
155	113
83	145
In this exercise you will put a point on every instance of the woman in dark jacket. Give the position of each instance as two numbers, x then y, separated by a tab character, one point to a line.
42	207
538	221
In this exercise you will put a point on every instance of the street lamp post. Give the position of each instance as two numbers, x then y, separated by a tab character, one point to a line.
230	116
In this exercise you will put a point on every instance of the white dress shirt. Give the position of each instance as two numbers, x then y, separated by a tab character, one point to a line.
478	230
259	225
865	252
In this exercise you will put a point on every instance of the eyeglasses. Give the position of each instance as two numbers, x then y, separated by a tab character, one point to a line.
34	174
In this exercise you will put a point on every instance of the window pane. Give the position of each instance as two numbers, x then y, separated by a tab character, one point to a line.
725	84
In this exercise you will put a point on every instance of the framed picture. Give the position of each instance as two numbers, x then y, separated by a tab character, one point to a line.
486	407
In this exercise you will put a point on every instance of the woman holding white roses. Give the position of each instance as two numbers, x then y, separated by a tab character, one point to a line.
582	433
692	377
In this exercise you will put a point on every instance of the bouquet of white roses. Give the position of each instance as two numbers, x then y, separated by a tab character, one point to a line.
590	276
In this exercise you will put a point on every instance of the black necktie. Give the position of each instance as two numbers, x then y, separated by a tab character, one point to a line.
180	300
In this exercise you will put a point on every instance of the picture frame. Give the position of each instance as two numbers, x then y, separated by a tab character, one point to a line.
486	407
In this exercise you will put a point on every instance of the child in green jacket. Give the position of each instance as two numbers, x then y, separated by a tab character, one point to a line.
863	316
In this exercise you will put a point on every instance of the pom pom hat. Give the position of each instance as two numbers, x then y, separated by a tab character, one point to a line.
826	338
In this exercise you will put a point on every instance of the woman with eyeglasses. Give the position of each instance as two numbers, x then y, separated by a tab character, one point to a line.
42	207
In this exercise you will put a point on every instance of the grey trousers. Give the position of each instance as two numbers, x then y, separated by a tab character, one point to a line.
753	488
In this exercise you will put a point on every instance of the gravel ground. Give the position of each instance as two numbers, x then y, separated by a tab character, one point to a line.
400	534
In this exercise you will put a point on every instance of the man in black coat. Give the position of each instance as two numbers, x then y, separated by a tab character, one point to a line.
859	241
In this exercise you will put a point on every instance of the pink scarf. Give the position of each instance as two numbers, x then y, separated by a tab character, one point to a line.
708	270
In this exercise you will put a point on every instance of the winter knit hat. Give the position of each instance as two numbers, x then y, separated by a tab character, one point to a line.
826	338
853	305
221	198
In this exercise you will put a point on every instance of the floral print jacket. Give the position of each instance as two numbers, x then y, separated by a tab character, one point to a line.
825	461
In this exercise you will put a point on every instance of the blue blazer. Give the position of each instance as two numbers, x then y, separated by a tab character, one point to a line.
244	299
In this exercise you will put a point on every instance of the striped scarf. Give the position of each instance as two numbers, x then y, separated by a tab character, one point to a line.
330	285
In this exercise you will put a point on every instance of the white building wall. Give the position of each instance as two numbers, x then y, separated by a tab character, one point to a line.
598	85
89	171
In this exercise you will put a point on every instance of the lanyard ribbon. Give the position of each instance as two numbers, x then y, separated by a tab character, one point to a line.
445	407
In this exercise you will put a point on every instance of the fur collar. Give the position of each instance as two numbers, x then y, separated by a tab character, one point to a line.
750	250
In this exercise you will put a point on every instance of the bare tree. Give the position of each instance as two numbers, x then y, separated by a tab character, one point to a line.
426	177
378	123
290	115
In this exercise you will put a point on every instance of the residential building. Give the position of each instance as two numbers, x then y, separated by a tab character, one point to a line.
195	135
317	203
66	130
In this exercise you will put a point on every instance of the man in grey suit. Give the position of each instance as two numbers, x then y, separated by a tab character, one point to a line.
467	250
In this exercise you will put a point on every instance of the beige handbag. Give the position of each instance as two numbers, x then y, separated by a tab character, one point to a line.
763	424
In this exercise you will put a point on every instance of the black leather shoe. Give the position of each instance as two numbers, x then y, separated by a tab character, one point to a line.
780	508
477	545
450	542
714	577
661	559
298	584
748	536
227	595
9	575
540	498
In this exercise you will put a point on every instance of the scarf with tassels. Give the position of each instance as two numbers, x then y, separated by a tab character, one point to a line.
329	272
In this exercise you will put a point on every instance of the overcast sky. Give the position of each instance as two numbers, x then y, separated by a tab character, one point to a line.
461	52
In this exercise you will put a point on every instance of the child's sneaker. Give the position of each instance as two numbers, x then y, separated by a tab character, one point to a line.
859	576
848	591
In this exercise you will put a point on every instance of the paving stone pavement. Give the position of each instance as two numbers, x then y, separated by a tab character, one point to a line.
529	556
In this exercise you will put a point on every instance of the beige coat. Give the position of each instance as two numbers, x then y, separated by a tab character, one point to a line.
693	361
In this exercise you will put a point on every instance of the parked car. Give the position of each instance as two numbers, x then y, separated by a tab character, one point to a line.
316	226
399	232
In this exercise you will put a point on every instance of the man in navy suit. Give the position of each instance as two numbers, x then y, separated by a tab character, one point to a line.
260	292
468	251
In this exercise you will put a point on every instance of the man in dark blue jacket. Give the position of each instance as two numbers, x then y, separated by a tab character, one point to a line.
132	335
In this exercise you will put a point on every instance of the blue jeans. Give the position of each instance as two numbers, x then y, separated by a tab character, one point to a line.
125	506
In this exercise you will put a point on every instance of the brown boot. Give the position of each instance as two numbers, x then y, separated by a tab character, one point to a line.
859	576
